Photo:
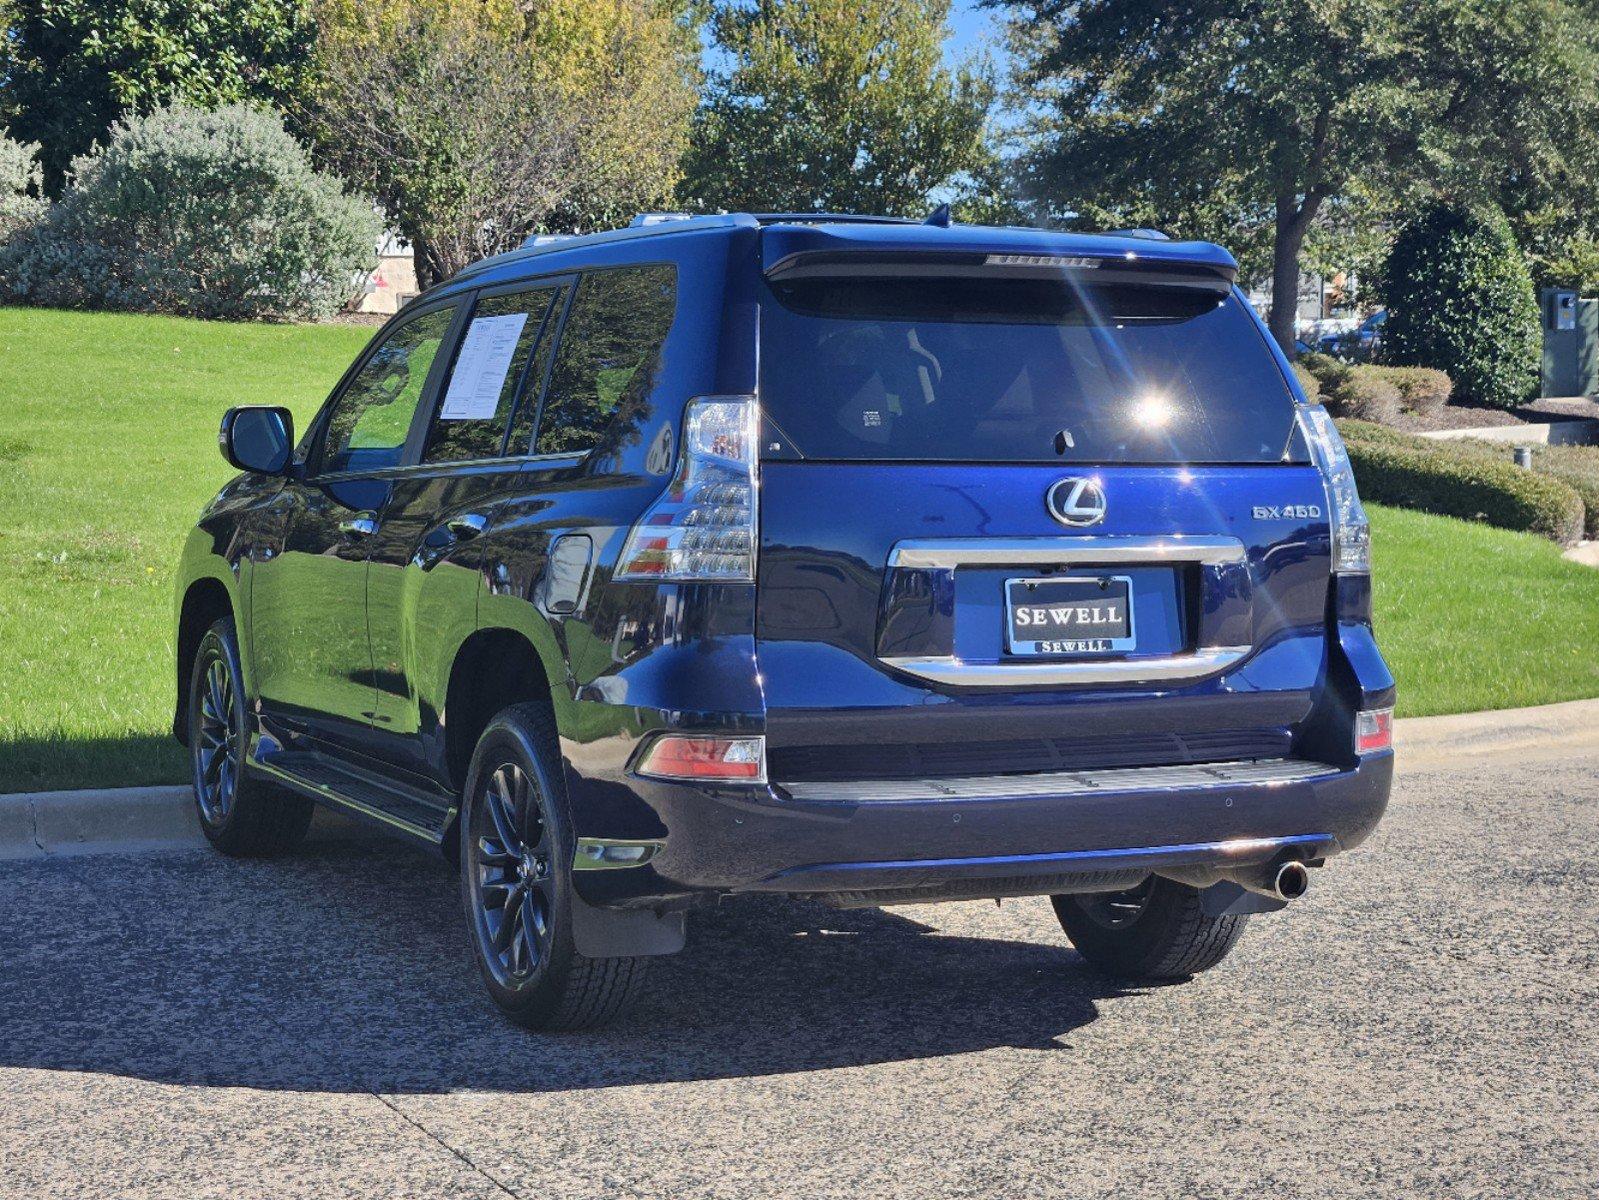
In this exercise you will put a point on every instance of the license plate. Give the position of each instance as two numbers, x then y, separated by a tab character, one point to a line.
1089	614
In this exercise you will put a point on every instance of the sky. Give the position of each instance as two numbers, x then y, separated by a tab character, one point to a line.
971	28
969	25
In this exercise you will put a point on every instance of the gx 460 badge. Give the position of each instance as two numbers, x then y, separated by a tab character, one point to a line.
1287	512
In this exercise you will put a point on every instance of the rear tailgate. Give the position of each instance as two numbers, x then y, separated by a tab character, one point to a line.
886	648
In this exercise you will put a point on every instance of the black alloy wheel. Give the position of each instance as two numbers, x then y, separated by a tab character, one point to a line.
512	878
240	813
214	739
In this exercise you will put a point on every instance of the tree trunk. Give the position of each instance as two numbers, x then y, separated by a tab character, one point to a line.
422	259
1293	219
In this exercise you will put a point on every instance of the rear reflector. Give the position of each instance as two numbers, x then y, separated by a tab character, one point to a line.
730	760
1374	730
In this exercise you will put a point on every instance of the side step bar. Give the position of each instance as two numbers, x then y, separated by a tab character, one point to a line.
418	815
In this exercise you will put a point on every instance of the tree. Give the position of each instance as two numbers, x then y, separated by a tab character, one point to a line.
69	69
1255	122
1460	299
837	105
477	122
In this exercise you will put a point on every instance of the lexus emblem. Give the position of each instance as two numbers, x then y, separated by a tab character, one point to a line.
1076	501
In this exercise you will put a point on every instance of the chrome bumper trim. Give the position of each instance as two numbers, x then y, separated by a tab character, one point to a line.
945	554
1267	772
1174	668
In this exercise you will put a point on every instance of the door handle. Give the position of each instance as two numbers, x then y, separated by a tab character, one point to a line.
361	525
467	525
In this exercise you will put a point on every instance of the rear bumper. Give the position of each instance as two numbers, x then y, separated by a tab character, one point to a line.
826	838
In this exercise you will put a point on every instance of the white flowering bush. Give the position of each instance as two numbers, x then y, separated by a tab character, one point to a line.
197	213
21	186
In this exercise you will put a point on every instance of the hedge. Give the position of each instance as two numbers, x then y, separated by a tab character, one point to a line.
1308	383
1578	468
1466	481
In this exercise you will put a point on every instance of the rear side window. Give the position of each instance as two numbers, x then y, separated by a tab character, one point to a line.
492	368
993	369
372	417
608	357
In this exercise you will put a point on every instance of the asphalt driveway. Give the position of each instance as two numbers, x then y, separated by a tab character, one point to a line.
1425	1023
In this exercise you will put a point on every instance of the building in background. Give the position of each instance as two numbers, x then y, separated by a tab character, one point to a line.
393	282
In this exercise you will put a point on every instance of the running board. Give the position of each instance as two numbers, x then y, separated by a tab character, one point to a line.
392	805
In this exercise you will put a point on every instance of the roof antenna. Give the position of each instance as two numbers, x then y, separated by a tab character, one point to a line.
939	216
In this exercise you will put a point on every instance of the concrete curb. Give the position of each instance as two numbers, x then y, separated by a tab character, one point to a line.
45	824
37	825
1567	728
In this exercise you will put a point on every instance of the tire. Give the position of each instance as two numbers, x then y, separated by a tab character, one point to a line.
1156	931
516	849
241	815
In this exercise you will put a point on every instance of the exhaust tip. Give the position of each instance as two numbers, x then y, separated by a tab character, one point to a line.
1291	881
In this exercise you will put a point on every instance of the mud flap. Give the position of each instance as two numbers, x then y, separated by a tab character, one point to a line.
1229	899
625	932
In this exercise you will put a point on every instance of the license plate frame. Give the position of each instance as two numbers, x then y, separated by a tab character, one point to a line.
1057	647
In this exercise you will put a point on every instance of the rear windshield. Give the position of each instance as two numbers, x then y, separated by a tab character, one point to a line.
983	369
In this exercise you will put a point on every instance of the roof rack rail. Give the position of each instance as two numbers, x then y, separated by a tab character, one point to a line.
1147	235
645	219
827	218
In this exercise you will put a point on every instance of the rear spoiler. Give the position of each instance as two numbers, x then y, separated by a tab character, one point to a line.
1126	267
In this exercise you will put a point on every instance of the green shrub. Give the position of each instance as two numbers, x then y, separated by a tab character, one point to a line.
205	214
1460	299
1421	389
1362	393
21	185
1327	369
1308	383
1457	484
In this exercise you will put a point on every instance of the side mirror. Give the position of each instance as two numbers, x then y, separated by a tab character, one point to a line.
258	438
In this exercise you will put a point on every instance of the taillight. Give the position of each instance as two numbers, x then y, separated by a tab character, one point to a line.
689	756
1351	532
1374	730
703	525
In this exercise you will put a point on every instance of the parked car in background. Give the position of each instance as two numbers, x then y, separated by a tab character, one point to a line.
1360	344
860	560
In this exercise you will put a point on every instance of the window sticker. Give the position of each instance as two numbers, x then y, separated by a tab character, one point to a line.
481	368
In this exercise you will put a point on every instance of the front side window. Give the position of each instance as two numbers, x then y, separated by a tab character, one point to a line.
372	418
490	373
609	354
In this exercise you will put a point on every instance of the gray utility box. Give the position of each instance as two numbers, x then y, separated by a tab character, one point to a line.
1570	344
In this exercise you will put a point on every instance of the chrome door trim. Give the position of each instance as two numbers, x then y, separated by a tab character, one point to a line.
945	554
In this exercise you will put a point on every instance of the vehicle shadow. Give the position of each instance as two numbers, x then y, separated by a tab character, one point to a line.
345	968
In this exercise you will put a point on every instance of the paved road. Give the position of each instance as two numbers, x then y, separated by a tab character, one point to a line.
1424	1024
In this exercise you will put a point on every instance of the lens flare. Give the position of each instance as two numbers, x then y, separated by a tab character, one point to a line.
1153	411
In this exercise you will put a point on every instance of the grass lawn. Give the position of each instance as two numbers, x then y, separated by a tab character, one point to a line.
1471	618
108	449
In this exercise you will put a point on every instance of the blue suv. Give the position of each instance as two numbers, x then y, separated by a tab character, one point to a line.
867	561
